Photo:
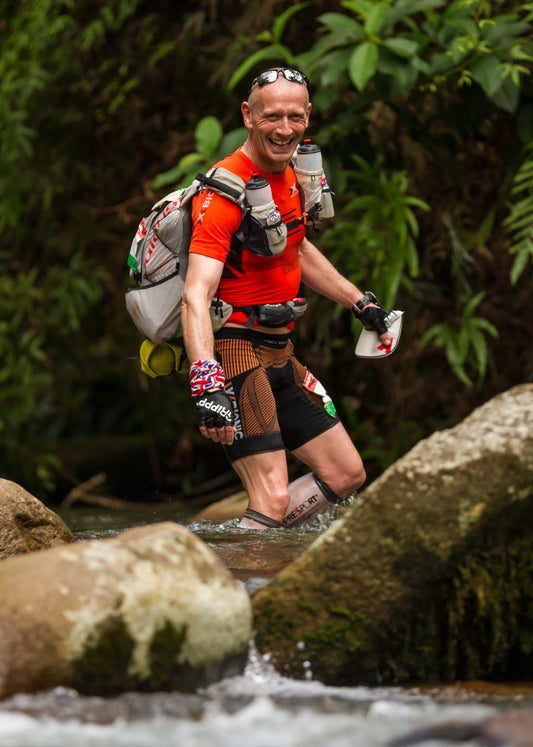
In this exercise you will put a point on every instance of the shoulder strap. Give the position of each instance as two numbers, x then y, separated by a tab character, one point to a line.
224	183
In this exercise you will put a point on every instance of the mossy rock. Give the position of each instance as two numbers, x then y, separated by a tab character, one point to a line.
429	577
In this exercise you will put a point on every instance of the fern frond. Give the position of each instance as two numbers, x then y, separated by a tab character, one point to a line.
519	222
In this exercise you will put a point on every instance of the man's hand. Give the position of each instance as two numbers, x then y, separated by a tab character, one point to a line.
214	416
373	317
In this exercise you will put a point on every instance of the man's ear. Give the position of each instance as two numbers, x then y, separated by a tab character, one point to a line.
246	115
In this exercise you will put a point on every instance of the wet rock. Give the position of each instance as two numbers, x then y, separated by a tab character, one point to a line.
150	609
507	729
232	507
26	524
428	577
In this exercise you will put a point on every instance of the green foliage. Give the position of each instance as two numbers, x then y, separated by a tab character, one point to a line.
27	43
373	241
426	44
456	61
464	341
42	320
519	222
274	50
58	85
41	42
211	145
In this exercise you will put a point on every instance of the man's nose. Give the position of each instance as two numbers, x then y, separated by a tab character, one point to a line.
284	126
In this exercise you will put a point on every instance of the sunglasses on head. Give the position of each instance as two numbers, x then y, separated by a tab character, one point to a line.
270	76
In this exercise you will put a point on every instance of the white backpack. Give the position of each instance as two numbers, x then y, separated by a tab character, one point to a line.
159	256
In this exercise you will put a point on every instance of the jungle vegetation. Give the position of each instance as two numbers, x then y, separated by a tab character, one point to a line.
424	111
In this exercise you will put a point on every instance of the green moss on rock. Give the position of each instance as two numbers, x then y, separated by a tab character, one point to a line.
103	666
165	648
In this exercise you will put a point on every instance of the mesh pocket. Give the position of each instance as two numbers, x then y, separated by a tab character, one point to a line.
264	231
156	309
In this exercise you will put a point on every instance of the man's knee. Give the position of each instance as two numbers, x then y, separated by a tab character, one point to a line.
348	481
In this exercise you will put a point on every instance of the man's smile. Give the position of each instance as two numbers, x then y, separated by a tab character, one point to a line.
281	143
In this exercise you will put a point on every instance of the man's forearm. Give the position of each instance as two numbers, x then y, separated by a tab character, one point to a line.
197	332
319	274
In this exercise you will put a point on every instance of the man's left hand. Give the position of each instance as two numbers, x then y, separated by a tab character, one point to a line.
373	317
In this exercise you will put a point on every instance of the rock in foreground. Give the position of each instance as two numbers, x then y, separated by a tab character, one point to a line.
430	576
26	524
152	608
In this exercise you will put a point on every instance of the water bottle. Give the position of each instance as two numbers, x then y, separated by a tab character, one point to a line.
309	157
258	191
313	180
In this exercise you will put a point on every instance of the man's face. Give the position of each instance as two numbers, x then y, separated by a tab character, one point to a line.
276	116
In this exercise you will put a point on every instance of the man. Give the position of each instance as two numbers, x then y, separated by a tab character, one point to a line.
252	395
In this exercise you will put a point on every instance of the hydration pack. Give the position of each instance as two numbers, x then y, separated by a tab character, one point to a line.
159	252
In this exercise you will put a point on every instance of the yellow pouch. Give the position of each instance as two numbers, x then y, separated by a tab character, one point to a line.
162	358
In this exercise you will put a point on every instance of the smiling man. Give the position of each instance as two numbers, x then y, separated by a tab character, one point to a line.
276	117
252	394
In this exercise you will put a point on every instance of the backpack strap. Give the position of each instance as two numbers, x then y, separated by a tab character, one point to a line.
224	182
219	186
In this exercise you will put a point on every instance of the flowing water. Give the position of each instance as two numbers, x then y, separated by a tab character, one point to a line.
260	708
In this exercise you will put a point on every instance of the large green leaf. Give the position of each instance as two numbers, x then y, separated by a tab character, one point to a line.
374	19
341	24
401	46
334	67
404	8
507	96
363	64
208	135
488	72
360	7
504	30
232	141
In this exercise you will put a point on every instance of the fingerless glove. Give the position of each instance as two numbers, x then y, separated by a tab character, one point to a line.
214	410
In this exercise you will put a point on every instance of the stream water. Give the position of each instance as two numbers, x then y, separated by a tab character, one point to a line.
260	708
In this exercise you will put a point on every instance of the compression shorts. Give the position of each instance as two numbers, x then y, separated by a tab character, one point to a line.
268	387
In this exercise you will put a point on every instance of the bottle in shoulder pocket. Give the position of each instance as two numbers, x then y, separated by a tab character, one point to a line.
311	177
258	191
262	230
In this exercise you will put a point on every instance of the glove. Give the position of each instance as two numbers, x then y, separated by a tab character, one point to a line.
214	410
374	318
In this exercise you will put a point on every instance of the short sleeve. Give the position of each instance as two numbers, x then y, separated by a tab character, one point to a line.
215	221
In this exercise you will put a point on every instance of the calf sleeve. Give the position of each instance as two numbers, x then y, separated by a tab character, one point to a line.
261	518
309	496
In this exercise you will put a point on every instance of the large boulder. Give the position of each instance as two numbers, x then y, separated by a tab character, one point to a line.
26	524
429	577
152	608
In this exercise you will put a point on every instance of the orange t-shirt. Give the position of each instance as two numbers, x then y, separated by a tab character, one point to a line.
248	279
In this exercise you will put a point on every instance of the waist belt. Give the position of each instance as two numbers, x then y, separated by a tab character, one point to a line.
274	314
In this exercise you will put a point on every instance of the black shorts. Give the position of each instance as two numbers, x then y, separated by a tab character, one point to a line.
271	393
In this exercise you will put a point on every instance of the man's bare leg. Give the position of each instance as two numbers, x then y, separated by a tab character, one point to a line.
334	460
331	456
265	478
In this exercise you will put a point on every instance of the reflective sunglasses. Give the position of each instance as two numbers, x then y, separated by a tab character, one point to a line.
270	76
